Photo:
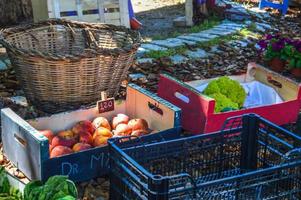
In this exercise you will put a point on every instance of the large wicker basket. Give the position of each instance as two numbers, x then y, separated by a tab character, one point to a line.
64	64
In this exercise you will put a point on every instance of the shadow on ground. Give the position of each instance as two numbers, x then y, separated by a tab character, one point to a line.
159	22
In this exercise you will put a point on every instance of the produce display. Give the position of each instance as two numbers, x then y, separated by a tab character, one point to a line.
55	188
86	134
228	94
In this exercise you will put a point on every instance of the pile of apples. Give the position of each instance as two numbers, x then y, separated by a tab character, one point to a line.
86	134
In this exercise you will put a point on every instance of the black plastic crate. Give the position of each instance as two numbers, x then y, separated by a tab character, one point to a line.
251	158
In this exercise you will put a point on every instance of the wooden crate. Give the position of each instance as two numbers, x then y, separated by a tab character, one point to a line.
198	110
28	149
104	11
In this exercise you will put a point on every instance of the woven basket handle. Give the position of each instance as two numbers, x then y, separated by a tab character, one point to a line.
90	40
71	31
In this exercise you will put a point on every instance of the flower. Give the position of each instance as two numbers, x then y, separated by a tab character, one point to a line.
263	44
269	37
278	46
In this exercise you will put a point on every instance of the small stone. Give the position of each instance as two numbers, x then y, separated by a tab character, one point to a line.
20	100
136	76
204	35
199	53
177	59
179	21
3	65
193	38
153	47
169	43
144	60
152	76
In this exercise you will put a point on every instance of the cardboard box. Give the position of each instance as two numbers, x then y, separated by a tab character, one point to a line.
28	149
198	110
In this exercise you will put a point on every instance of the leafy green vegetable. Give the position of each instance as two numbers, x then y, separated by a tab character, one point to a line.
223	103
55	188
228	93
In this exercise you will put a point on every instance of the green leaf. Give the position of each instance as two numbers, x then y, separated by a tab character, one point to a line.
72	189
67	198
292	63
298	64
30	187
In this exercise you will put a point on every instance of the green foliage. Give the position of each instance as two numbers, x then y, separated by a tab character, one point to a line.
6	191
167	53
228	93
295	60
55	188
222	102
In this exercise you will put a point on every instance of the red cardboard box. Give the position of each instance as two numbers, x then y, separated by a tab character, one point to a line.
198	110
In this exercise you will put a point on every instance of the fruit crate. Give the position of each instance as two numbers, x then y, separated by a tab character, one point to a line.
98	11
27	149
251	158
198	114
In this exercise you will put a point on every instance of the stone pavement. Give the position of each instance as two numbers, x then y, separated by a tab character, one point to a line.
191	40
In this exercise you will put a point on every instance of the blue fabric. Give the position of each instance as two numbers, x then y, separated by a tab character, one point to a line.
131	10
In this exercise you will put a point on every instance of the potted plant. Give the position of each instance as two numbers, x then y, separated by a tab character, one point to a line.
273	49
295	59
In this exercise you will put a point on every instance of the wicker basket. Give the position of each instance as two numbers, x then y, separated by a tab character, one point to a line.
64	64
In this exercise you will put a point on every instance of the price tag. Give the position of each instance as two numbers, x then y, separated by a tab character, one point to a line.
106	105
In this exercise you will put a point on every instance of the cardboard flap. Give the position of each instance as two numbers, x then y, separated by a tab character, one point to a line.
146	105
287	88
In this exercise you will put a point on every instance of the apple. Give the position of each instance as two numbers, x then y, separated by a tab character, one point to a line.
50	148
49	134
83	126
120	119
86	138
123	130
101	122
60	151
102	132
139	133
138	124
99	140
67	134
60	141
81	146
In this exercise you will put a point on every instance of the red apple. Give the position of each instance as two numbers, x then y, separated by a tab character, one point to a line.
86	138
102	132
123	130
99	140
120	119
139	133
101	122
81	146
83	126
60	141
49	134
60	151
138	124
